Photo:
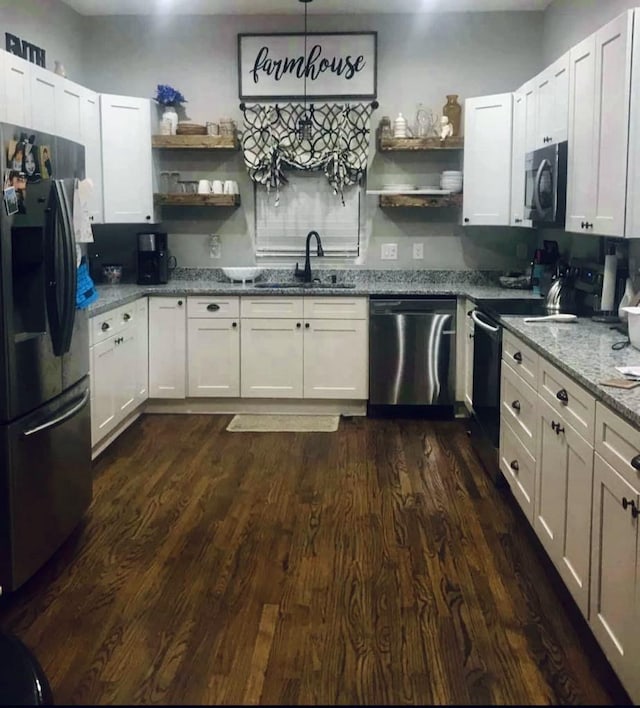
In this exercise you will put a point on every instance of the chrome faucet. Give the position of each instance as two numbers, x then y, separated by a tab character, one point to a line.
306	273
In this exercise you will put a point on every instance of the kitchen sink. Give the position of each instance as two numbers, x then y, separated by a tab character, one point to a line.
325	286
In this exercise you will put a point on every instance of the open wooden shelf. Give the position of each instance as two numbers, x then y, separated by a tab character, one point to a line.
214	200
195	142
421	200
407	144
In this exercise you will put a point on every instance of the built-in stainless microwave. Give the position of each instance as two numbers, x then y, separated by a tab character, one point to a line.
545	190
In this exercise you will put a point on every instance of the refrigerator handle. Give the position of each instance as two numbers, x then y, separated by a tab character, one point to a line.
54	276
68	269
69	413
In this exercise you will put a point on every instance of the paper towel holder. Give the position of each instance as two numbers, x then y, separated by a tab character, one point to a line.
612	288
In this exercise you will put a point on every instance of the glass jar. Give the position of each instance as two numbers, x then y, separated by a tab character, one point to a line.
453	110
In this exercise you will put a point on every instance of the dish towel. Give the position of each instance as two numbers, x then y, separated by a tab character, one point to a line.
81	221
86	292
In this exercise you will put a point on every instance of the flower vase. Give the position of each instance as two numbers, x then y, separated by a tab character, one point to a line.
453	110
171	116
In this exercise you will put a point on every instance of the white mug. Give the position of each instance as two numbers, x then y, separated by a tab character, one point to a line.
230	187
216	187
204	187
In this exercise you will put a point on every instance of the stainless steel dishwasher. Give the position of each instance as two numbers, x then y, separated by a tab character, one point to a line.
412	351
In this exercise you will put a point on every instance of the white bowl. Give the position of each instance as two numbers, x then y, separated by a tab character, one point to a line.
242	274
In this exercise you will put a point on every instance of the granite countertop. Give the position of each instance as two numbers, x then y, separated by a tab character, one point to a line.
583	351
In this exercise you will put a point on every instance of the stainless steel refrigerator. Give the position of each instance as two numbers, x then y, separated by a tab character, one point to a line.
45	427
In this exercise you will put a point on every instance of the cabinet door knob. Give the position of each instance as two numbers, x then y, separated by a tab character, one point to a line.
516	406
630	503
635	462
179	303
518	357
563	396
234	324
126	317
213	307
307	325
515	466
298	325
105	326
466	219
148	217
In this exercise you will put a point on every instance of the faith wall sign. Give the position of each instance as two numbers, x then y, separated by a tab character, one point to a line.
335	65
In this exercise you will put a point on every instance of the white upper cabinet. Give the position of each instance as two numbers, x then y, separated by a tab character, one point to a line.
632	225
599	90
90	137
15	91
69	110
552	103
44	97
522	130
126	159
487	160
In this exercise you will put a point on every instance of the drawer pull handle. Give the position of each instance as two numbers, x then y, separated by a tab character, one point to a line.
518	357
105	326
516	406
562	395
635	463
126	317
213	307
515	466
557	427
630	503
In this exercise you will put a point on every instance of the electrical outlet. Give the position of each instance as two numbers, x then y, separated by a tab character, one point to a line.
418	251
521	250
389	252
215	247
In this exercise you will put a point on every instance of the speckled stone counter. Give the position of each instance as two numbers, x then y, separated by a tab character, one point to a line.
583	351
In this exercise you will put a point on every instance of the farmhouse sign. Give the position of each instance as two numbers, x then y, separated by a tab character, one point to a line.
336	64
24	49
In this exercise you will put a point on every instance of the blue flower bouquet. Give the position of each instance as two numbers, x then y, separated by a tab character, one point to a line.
168	96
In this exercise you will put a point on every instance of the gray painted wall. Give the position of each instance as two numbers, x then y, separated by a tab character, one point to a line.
567	22
421	58
49	24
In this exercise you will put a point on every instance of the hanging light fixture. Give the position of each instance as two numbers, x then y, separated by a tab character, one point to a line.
304	124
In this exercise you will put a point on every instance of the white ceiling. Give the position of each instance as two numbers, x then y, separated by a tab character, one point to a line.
294	7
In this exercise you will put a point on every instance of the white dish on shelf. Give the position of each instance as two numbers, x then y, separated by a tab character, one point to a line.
398	187
242	274
412	191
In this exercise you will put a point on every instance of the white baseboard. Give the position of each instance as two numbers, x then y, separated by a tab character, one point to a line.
256	405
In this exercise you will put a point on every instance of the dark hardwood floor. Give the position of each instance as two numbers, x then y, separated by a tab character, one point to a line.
374	565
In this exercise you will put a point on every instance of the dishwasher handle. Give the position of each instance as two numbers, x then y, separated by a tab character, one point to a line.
412	307
482	324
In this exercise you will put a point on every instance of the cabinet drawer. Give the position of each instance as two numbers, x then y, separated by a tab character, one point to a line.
271	306
519	468
568	399
521	357
618	442
335	308
519	407
104	325
213	306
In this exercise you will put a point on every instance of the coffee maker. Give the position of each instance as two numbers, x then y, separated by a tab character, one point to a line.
153	258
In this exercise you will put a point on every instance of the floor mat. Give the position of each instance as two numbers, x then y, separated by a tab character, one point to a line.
279	423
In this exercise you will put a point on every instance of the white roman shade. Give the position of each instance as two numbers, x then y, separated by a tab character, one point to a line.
308	203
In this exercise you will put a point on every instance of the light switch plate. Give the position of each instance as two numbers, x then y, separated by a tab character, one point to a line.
418	251
215	247
389	252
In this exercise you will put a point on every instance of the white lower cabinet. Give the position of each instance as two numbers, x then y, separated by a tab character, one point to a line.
519	468
142	355
336	359
562	518
615	546
118	366
304	348
213	346
167	347
271	358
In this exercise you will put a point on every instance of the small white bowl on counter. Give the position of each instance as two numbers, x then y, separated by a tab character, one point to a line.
242	274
